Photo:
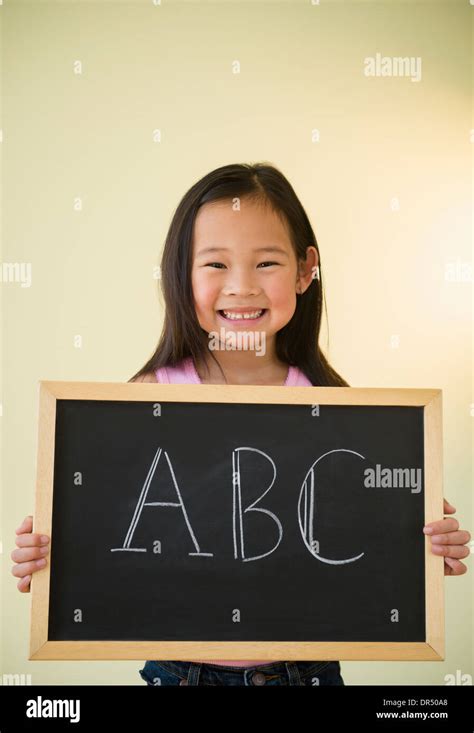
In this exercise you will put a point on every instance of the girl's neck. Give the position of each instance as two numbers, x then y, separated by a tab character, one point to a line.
242	367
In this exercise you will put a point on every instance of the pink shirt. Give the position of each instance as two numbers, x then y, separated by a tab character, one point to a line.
185	373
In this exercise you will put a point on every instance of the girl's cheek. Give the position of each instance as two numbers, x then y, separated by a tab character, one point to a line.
284	305
203	291
282	296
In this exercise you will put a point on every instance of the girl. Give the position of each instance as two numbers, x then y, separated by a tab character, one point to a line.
240	256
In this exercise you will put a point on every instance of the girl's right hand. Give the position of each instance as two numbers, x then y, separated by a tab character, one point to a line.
31	555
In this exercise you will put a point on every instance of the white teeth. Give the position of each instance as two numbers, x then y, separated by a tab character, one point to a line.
237	316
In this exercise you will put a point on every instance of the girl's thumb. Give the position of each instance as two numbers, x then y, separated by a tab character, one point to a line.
24	522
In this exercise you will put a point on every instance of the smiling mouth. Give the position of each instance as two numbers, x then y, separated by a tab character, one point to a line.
231	315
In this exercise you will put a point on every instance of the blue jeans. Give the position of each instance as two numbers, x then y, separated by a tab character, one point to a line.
277	673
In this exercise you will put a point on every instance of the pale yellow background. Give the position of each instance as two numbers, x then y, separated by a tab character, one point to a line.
395	318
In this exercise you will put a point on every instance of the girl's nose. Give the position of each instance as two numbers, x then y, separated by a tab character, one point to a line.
241	284
241	291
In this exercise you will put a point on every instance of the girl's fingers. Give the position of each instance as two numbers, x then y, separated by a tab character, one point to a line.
443	525
29	553
30	557
456	551
31	540
451	538
26	568
454	567
448	508
26	525
23	584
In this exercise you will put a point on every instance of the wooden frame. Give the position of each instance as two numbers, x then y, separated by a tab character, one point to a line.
432	649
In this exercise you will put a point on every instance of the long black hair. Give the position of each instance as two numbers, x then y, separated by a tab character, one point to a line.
297	343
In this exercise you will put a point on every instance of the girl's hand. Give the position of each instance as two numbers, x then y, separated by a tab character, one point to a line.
31	555
448	540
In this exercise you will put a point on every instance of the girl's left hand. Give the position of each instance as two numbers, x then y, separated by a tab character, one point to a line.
448	540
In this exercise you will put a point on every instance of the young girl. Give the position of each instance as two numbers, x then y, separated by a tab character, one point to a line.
241	256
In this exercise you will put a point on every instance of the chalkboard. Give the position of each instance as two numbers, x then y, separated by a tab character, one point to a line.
235	522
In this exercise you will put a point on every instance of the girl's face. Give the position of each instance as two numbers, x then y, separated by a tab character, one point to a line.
244	262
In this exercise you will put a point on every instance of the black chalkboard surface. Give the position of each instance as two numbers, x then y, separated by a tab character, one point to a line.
240	519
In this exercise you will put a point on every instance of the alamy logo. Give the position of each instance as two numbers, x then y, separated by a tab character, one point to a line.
16	272
393	478
16	679
458	678
379	65
45	708
238	341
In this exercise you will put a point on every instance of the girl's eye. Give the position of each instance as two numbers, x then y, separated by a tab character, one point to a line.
219	264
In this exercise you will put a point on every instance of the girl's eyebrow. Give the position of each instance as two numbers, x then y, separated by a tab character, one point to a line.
275	250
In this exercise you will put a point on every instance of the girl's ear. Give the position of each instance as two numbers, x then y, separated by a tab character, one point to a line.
308	270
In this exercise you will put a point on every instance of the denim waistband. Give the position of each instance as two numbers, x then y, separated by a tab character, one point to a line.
196	672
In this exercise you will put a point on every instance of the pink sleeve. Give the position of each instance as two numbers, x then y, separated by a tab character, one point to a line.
302	380
162	375
183	373
296	378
